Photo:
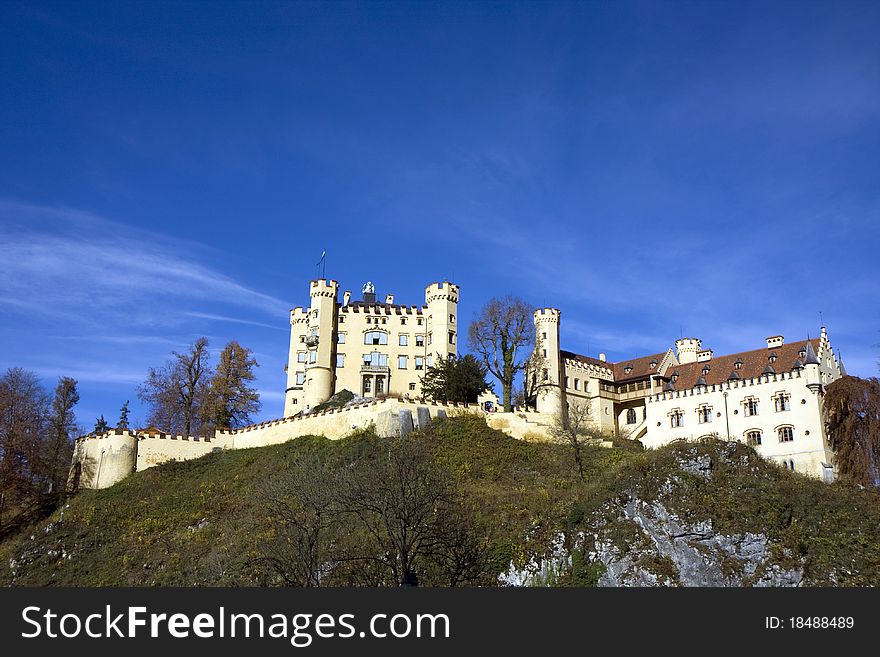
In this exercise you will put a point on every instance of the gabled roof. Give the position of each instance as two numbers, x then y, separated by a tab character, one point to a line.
641	367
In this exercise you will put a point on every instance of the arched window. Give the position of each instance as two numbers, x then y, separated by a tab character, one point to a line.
631	416
704	413
753	438
782	402
786	434
375	337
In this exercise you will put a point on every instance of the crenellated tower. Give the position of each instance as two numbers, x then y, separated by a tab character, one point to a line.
547	381
441	304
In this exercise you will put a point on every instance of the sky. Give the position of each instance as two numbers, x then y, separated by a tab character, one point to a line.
653	169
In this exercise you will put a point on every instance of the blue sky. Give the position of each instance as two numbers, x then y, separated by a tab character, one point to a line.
651	168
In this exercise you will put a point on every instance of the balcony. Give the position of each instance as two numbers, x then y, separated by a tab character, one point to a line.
375	369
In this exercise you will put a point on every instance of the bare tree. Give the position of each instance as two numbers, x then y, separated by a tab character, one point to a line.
177	391
24	406
408	505
501	331
303	505
851	410
574	426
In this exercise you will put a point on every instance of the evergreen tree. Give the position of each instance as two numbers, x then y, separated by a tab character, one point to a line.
62	428
123	416
456	380
101	425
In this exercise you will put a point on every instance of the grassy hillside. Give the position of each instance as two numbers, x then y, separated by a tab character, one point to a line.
207	522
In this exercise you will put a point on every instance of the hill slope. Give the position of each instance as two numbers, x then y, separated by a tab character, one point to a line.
698	514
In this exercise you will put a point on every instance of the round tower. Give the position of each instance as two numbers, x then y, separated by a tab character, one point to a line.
319	342
441	302
687	349
547	376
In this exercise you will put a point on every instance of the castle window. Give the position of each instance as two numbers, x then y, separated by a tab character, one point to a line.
342	319
375	337
302	338
544	353
380	385
738	364
451	337
628	369
653	364
403	340
340	360
452	319
313	356
631	416
753	438
566	382
577	384
544	335
420	363
412	386
704	414
750	406
368	384
705	370
340	338
676	419
403	321
545	375
300	357
782	402
295	401
375	359
420	340
401	362
384	320
300	378
786	434
419	321
430	361
430	338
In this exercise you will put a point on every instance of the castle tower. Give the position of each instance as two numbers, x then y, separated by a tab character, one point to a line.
319	342
441	303
687	349
548	381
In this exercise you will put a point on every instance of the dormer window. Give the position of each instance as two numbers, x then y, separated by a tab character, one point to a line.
802	352
772	357
705	370
653	364
628	369
738	364
674	377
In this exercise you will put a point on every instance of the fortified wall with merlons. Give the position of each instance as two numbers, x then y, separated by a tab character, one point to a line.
768	398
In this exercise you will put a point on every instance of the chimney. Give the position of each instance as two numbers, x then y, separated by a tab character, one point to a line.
775	341
389	298
704	355
346	297
602	357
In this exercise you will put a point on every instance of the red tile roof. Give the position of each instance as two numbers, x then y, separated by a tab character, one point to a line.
753	364
641	367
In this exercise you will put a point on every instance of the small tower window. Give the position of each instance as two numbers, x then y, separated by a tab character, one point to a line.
631	416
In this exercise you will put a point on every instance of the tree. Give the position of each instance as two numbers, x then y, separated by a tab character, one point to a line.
456	380
501	330
231	402
24	406
101	425
851	411
123	417
62	429
573	426
408	505
177	391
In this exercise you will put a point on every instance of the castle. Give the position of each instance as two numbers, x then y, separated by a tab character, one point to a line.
770	398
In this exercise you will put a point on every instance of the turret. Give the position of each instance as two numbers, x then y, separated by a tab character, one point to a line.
441	303
320	342
687	350
548	379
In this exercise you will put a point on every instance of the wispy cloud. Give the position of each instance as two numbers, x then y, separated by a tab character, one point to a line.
235	320
65	261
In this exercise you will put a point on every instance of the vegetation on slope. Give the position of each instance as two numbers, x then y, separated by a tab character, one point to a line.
218	520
